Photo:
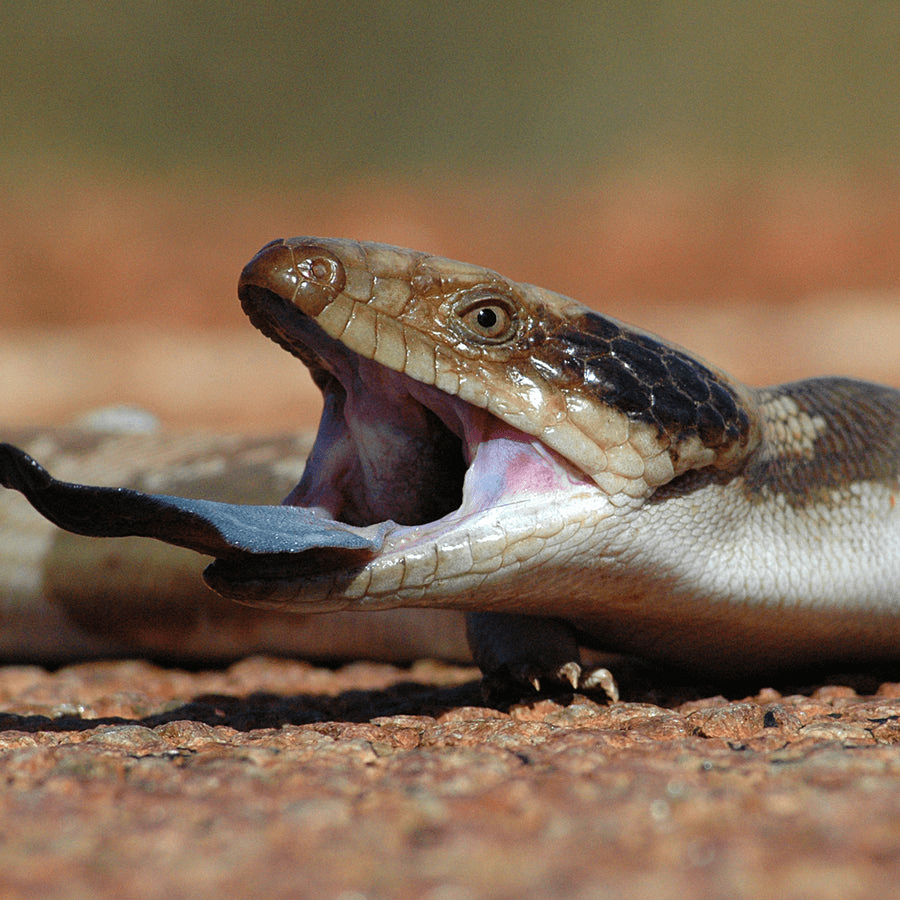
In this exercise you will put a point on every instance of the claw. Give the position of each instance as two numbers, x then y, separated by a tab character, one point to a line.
510	681
602	678
571	672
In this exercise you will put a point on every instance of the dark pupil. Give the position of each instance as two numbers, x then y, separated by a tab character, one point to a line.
486	318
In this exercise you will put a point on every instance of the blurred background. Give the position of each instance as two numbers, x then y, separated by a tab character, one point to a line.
725	174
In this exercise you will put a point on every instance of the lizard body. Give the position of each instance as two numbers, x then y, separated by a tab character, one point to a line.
563	478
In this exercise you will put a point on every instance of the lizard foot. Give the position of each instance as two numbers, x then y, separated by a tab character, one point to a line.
517	680
520	654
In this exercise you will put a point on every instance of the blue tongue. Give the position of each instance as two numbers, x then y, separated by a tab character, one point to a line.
225	530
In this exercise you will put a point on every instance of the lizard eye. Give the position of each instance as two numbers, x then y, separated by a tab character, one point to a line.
487	317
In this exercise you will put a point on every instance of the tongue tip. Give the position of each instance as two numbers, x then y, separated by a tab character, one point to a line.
206	526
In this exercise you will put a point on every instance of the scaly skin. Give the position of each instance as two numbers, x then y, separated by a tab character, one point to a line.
664	510
566	479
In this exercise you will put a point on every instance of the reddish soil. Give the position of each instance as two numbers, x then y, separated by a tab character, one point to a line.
275	779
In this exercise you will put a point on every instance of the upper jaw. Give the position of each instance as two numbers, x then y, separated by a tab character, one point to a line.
389	447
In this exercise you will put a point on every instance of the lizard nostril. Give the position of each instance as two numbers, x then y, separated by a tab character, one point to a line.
320	277
299	271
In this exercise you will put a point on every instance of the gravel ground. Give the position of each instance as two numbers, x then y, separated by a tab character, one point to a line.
278	779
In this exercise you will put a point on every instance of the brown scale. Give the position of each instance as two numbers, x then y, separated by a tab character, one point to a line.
857	439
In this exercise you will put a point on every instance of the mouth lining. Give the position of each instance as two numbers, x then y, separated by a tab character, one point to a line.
380	456
388	449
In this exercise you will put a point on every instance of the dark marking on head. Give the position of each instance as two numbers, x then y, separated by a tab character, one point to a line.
671	405
685	375
599	328
617	385
640	359
710	424
645	378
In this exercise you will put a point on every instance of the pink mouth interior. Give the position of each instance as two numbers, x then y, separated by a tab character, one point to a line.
393	449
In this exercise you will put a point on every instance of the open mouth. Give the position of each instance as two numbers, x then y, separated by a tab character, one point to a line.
408	485
387	448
